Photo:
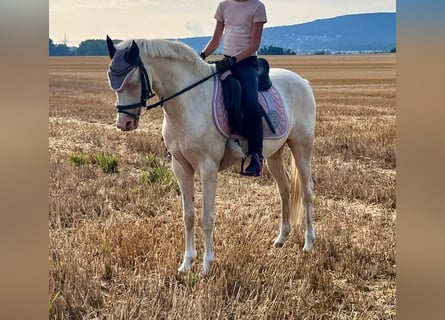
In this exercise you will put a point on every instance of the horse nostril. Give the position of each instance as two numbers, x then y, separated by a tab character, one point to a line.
123	126
128	125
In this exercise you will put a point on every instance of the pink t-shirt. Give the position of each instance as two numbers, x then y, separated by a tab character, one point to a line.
238	18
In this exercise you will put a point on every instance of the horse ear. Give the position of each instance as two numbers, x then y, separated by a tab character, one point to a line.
133	54
111	48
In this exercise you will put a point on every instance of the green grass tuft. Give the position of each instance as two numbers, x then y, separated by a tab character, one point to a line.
108	162
156	174
79	159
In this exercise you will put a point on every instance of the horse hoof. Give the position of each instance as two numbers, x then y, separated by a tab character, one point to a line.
308	246
205	272
278	244
309	241
184	268
281	239
206	266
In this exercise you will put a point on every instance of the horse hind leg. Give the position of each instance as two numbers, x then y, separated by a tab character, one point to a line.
302	152
276	167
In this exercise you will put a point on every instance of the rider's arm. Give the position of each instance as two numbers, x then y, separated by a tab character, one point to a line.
215	40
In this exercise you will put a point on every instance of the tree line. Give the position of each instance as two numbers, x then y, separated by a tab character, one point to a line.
98	47
91	47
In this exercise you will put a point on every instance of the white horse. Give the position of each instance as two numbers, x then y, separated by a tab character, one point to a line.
195	143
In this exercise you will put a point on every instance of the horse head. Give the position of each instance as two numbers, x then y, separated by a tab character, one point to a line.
132	88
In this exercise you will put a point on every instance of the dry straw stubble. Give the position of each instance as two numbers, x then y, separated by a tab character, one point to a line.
116	238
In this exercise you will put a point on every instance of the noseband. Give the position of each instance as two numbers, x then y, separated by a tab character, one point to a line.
146	92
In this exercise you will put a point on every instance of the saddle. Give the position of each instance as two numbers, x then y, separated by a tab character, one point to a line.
232	97
264	82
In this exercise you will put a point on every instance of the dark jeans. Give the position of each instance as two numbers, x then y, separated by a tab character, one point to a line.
246	71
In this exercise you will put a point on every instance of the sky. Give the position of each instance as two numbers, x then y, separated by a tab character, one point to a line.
79	20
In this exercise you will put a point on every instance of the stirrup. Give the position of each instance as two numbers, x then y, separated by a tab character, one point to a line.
255	166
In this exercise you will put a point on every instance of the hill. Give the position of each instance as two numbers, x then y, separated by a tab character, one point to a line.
349	33
356	32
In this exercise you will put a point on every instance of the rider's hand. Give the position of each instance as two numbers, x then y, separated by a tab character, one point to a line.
225	64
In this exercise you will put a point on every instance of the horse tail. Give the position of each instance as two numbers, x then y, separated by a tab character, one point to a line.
296	200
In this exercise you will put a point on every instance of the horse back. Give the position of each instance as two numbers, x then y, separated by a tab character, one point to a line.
298	99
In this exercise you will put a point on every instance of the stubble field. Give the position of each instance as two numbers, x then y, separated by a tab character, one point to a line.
115	216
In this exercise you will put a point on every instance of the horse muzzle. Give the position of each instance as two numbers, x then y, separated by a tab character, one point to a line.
126	122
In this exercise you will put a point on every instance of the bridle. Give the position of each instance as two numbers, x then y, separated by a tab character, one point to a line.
146	92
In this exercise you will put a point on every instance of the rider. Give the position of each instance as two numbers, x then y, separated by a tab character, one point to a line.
243	22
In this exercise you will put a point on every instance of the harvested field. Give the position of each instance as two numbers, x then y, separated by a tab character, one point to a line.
115	216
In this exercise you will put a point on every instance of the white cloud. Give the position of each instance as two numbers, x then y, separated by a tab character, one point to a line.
194	28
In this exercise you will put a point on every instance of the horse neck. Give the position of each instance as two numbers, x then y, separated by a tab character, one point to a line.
169	77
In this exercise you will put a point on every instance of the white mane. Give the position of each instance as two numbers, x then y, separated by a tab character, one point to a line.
170	49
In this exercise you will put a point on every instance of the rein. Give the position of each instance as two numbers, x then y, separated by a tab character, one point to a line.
147	93
162	100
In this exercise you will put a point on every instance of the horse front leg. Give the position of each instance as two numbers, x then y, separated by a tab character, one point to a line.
185	180
209	185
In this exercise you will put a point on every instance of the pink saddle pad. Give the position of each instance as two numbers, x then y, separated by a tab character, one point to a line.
271	102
